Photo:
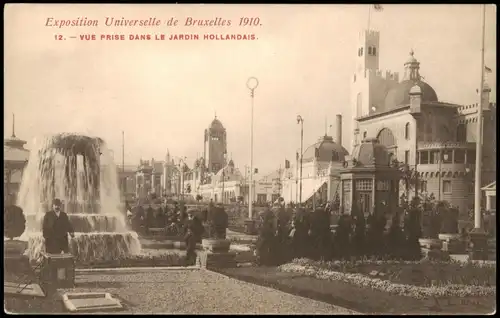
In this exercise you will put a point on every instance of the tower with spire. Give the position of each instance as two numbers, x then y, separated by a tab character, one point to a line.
13	141
15	160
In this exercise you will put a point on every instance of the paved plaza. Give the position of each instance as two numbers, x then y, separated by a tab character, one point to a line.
195	291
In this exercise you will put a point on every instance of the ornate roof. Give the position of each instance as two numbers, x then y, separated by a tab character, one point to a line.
15	154
327	149
400	95
371	153
217	125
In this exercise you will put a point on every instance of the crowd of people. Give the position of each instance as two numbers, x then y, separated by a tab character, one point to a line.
180	221
288	233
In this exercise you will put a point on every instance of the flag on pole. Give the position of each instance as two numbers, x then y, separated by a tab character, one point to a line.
376	7
487	69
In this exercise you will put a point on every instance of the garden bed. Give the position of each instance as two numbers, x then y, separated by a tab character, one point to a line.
414	279
147	258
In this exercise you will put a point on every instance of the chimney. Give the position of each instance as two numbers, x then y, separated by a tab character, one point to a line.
339	129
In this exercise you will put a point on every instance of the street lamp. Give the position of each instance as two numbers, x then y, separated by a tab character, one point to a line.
223	176
252	84
300	121
443	156
182	163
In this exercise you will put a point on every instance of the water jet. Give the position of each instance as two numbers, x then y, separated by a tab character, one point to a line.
79	170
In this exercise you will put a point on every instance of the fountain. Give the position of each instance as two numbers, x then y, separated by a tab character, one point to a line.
80	171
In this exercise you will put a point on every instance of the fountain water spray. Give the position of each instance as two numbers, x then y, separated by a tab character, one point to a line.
80	171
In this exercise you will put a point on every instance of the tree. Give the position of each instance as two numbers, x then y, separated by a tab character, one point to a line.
449	223
14	222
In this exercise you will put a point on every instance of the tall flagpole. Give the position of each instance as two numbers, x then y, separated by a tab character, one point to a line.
479	138
369	15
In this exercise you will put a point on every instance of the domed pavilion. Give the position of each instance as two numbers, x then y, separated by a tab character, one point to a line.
321	163
369	177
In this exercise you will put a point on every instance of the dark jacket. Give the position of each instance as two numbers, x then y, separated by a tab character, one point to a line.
55	232
193	230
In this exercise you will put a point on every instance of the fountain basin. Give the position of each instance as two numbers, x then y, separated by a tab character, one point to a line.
84	222
87	247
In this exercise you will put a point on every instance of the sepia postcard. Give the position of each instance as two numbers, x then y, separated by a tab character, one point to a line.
250	159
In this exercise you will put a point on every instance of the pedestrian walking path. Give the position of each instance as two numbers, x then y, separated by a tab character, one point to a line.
196	292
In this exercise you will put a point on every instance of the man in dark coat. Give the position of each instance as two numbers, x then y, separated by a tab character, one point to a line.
150	218
193	234
265	247
56	227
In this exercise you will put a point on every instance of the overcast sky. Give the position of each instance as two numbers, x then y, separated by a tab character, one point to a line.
163	94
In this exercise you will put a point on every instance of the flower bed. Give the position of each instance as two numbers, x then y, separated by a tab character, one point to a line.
415	279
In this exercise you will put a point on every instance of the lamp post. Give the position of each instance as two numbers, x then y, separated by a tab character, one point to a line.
252	84
223	177
442	156
478	237
300	121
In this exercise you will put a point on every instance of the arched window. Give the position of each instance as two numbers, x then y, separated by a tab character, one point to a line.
407	131
369	50
461	133
364	135
386	138
359	104
361	52
374	51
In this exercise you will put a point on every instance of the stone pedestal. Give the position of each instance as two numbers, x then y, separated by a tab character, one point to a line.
478	246
58	271
207	259
250	227
216	254
216	245
430	243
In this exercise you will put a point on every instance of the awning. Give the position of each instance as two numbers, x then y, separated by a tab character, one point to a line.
311	189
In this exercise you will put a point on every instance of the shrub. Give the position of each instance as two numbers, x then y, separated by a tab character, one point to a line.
342	237
359	235
218	222
14	222
396	239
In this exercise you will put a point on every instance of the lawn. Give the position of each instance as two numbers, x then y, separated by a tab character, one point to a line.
422	279
357	297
